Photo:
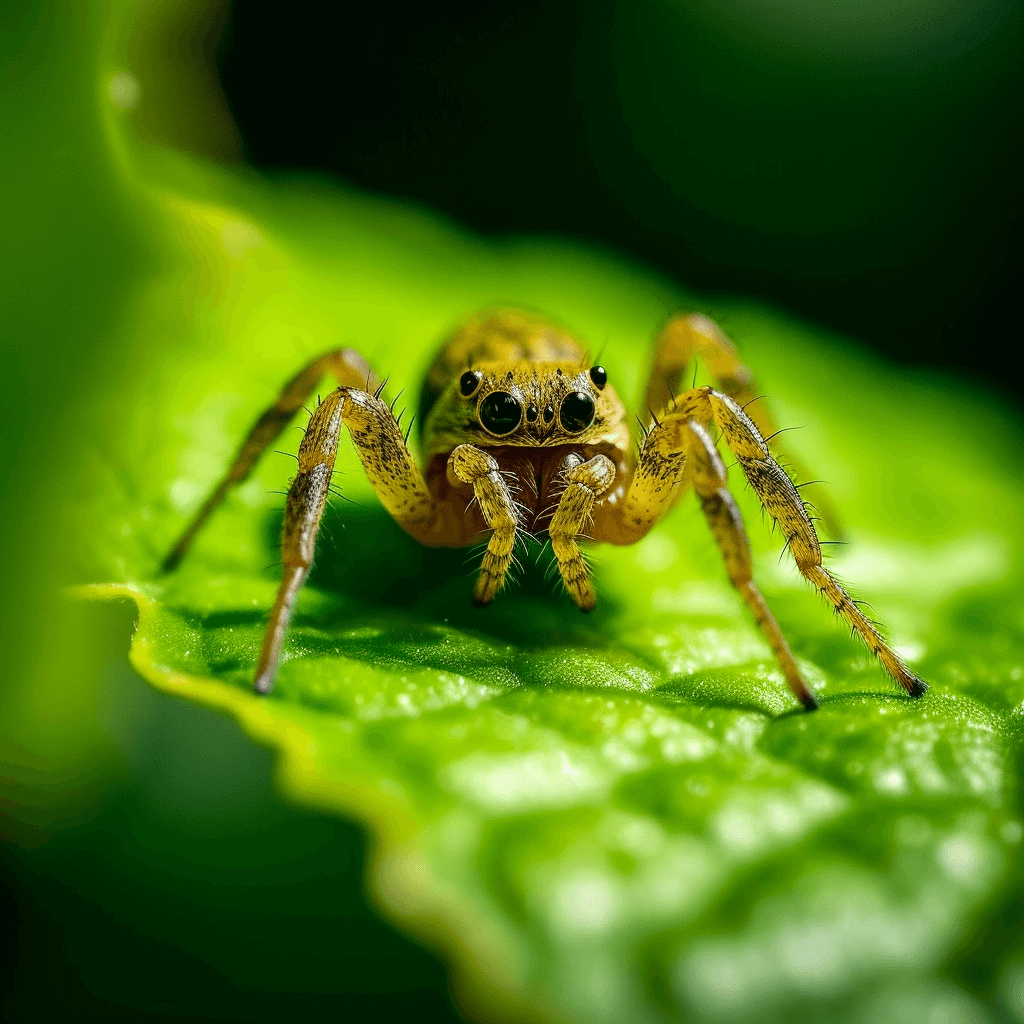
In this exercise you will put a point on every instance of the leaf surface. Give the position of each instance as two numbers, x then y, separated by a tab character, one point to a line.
614	817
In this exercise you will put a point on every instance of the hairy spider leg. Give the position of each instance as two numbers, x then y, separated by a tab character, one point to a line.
784	504
709	480
467	464
585	482
346	365
690	335
662	471
392	472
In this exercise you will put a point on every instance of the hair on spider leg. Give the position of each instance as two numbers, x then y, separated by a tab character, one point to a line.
380	388
551	569
785	548
526	539
395	400
513	561
522	512
751	402
408	429
476	551
512	481
549	511
782	430
543	547
345	497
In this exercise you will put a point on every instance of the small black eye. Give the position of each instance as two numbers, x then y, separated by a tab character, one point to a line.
469	382
500	413
599	375
577	412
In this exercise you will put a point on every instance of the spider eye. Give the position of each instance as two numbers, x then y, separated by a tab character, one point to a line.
599	375
577	412
500	413
469	382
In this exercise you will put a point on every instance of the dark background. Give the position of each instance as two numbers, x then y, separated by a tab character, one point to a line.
861	170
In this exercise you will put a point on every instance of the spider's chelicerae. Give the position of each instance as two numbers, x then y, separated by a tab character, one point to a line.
521	433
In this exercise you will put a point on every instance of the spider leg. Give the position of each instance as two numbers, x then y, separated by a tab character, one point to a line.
646	492
782	500
690	335
470	465
663	469
719	508
585	482
391	470
346	365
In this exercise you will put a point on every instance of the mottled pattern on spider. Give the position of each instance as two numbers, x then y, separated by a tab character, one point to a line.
521	433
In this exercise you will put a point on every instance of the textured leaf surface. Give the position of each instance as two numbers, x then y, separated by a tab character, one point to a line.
614	817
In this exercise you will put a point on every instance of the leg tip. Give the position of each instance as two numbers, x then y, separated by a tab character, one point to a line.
810	702
918	687
264	684
481	602
171	562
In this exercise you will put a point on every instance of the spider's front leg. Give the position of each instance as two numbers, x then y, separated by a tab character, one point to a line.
392	472
676	454
678	451
783	502
723	516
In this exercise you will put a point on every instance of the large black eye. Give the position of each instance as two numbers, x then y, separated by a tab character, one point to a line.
500	413
469	382
577	412
599	375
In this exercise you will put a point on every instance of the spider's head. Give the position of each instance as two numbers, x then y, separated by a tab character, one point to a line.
526	404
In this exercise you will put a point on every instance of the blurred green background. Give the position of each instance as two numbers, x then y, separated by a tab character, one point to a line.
856	163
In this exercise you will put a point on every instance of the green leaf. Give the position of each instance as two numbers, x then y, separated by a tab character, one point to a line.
614	817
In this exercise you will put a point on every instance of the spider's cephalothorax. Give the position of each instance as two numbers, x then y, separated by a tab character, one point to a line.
522	432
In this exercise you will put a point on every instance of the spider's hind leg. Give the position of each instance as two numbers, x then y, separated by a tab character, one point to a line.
346	365
690	335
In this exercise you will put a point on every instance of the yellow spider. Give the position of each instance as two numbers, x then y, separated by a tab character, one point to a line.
520	433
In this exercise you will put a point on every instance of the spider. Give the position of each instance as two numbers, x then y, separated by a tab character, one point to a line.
519	433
